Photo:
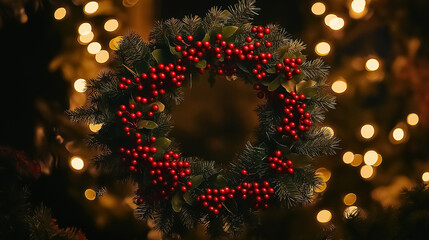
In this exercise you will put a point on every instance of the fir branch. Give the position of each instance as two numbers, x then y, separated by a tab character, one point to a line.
187	219
278	37
295	45
323	100
191	24
85	114
315	70
159	30
319	141
163	218
317	114
93	141
242	12
173	28
144	211
131	49
105	161
213	18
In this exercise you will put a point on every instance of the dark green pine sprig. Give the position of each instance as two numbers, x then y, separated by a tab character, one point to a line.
135	56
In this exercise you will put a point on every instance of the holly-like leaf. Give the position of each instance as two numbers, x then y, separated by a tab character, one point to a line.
161	106
158	55
289	85
228	31
271	70
242	67
188	198
174	52
301	86
176	202
220	181
206	37
147	124
196	181
274	85
298	78
201	64
161	144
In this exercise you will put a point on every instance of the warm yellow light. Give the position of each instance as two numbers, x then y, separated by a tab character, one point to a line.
321	187
77	163
350	211
94	47
129	3
329	18
379	161
324	216
90	194
102	56
111	25
322	48
318	8
328	129
84	28
358	6
114	43
339	86
324	174
90	7
336	23
60	13
349	199
95	127
372	64
348	157
367	131
398	134
370	157
366	171
84	39
80	85
357	160
425	176
412	119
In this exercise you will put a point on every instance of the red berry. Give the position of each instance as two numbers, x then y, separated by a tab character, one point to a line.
179	38
243	172
219	36
190	38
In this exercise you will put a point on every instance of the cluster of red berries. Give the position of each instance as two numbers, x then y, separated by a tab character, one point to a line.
136	157
296	119
261	31
280	165
167	174
129	116
213	198
289	67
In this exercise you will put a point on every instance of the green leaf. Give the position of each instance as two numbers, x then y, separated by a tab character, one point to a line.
225	14
174	52
274	85
196	181
206	37
147	124
161	106
242	67
176	202
220	181
228	31
201	64
188	198
158	54
161	144
301	86
289	85
271	70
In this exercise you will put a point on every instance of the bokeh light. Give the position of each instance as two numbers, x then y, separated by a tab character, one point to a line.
324	216
370	157
114	43
80	85
87	38
102	56
91	7
367	131
90	194
60	13
348	157
94	47
322	48
379	161
329	18
328	129
425	176
372	64
358	6
111	25
339	86
412	119
352	210
84	28
366	171
357	160
95	127
77	163
398	134
321	187
349	199
318	8
336	23
324	174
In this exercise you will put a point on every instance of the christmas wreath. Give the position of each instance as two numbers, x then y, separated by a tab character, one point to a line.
134	104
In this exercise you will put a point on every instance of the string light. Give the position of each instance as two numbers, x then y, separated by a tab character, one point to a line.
95	127
84	39
324	216
322	48
91	7
412	119
349	199
366	171
90	194
94	47
84	28
339	86
80	85
111	25
324	174
77	163
372	64
348	157
358	6
102	56
357	160
350	211
336	23
318	8
370	157
329	18
398	134
60	13
425	176
367	131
